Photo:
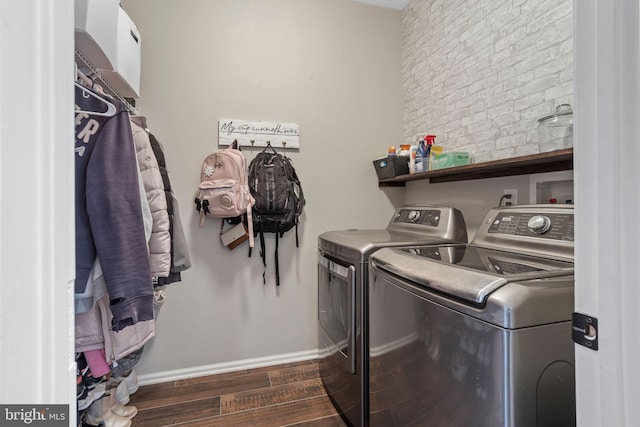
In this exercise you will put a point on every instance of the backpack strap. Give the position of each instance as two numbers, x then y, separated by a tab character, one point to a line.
203	208
277	263
264	259
250	222
269	146
297	186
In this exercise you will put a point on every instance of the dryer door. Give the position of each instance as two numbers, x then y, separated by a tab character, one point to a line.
336	306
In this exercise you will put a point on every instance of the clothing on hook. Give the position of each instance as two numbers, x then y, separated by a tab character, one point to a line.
82	77
109	220
87	93
96	75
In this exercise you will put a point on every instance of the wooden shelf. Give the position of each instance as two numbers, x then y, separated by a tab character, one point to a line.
551	161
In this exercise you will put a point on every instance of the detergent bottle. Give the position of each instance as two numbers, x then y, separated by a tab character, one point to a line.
420	156
412	158
404	152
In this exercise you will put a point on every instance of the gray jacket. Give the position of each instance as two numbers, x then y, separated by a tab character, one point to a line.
180	259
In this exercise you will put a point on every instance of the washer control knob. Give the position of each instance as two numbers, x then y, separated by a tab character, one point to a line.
414	216
539	224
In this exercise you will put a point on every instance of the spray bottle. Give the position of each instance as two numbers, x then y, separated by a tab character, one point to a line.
429	141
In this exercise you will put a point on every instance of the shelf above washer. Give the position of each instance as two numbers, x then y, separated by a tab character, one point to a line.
551	161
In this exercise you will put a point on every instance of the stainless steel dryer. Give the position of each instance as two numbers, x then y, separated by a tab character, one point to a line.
477	334
342	293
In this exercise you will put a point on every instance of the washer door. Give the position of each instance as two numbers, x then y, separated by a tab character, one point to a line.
336	306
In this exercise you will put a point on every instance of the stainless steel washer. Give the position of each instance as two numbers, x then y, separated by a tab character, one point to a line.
477	334
342	293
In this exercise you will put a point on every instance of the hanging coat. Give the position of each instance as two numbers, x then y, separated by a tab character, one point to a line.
160	240
109	222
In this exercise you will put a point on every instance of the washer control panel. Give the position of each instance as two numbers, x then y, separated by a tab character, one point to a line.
429	217
546	226
539	224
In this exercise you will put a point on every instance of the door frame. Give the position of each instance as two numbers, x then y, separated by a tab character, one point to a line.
606	154
37	261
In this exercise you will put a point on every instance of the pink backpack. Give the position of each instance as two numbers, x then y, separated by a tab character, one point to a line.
223	191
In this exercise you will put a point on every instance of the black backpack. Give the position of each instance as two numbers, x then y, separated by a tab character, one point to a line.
279	200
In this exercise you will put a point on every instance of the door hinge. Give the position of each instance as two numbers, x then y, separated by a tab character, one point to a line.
584	330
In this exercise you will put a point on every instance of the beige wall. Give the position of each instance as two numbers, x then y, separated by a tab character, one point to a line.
334	67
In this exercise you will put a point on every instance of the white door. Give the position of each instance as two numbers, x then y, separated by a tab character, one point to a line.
606	163
36	197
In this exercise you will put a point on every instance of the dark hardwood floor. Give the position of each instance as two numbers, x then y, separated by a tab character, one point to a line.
283	395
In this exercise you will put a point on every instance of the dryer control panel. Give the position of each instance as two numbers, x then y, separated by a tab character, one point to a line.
429	217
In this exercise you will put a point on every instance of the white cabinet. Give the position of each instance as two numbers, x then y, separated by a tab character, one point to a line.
110	40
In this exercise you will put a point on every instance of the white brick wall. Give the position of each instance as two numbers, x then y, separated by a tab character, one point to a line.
478	74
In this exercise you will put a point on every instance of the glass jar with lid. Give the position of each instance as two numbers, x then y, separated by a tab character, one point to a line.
555	130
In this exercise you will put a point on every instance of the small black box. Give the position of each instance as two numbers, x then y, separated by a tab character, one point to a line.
391	166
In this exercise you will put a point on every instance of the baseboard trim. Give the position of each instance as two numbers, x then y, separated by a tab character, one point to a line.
220	368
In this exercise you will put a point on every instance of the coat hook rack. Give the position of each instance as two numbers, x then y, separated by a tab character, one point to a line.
256	133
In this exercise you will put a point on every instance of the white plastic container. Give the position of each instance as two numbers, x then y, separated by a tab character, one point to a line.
412	158
109	39
95	31
404	150
125	76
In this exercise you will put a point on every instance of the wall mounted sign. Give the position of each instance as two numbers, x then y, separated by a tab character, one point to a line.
256	134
